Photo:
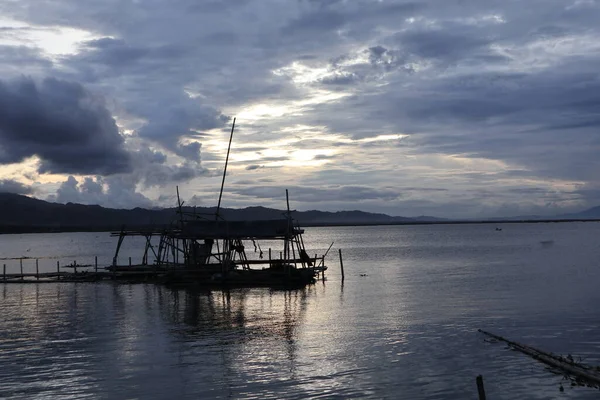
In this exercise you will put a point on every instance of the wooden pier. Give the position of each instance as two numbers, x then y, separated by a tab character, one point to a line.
29	272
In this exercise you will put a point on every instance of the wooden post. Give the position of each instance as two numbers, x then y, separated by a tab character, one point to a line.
75	266
4	271
58	270
130	261
96	264
21	263
480	388
37	270
341	264
270	263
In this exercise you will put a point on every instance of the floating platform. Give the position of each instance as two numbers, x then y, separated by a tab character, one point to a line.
275	276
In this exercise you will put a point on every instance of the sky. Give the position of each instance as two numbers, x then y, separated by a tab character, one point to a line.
457	109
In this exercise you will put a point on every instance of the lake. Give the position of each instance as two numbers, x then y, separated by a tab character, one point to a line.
402	325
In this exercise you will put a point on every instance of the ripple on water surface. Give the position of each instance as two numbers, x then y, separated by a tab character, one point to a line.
403	325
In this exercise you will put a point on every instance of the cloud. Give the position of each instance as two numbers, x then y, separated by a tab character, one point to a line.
15	58
112	192
153	169
12	186
484	94
312	195
153	89
70	130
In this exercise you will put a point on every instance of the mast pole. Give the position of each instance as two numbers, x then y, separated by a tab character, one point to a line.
179	205
225	170
288	235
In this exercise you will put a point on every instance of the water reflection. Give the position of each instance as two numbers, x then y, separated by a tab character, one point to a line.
248	336
407	330
234	316
75	340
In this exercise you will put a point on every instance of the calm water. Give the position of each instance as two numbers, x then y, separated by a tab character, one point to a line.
408	329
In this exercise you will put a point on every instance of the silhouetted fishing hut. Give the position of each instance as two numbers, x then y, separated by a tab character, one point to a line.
212	251
201	251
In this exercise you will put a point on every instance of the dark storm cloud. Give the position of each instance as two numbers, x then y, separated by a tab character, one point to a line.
486	80
449	42
328	16
244	182
312	194
113	52
21	56
121	56
524	119
152	169
69	129
341	78
275	159
12	186
152	86
324	157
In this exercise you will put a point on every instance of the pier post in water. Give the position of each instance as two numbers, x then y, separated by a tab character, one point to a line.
480	389
37	270
341	264
322	271
21	264
4	271
58	270
96	264
130	261
75	266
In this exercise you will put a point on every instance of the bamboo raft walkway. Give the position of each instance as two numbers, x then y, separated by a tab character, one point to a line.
79	273
578	373
131	273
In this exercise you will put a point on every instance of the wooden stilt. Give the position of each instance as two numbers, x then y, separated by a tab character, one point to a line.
21	264
4	271
480	388
58	270
37	270
341	264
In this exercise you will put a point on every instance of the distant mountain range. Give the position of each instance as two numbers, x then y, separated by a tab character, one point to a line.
25	214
